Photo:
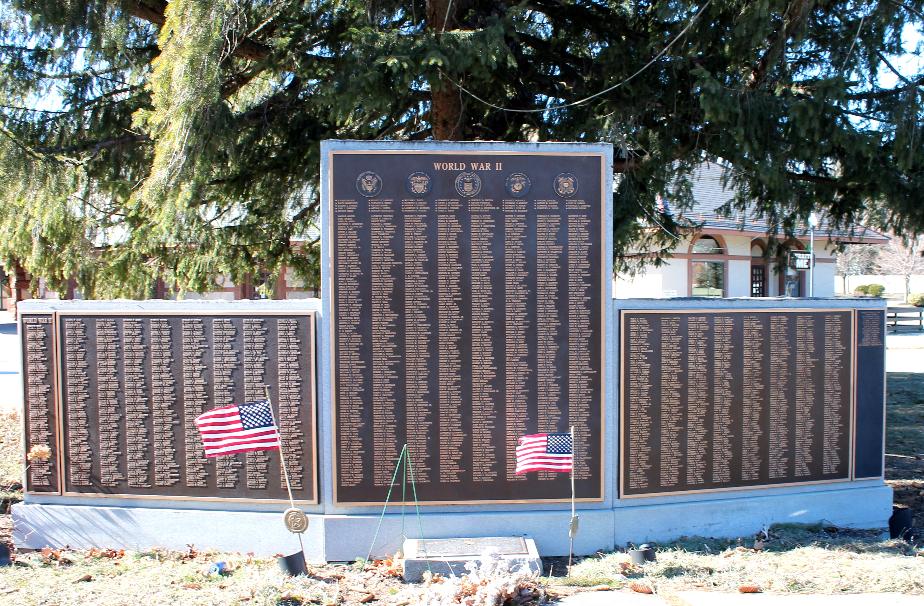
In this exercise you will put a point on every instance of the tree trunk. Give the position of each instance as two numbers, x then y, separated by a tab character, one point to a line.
445	98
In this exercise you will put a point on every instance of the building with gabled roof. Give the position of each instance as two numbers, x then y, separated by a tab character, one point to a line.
727	256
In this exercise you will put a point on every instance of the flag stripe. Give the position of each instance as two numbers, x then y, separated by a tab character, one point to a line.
223	429
246	444
249	434
238	449
217	413
220	423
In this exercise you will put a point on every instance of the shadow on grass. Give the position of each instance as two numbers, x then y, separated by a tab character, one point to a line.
905	413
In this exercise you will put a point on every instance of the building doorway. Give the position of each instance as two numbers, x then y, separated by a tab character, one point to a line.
758	269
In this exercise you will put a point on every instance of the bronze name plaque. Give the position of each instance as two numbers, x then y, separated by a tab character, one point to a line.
467	294
869	440
132	384
40	410
716	400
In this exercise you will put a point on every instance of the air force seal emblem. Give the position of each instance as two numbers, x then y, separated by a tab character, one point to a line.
418	184
518	185
468	184
369	184
566	185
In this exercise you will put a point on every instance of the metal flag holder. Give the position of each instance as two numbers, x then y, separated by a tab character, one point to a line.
408	473
294	518
575	522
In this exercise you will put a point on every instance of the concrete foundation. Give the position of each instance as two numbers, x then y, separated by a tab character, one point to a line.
347	537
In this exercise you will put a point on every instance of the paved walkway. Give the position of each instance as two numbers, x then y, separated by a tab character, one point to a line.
905	351
10	382
710	598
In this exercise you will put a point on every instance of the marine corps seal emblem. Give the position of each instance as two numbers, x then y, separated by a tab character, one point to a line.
518	185
418	184
468	184
566	185
369	184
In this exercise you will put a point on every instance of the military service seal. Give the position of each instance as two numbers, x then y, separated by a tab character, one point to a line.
518	185
369	184
418	184
566	185
468	184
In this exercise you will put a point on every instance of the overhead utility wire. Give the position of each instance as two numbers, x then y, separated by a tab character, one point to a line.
595	95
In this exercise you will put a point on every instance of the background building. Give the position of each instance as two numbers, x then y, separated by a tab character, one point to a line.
728	256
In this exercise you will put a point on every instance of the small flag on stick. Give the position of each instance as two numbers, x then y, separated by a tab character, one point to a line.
545	451
238	428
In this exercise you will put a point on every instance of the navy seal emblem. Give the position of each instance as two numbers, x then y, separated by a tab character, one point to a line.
468	184
566	185
518	185
369	184
418	184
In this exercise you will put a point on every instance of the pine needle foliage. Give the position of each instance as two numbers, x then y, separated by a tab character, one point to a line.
144	139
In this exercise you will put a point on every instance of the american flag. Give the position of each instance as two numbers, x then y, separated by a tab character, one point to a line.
545	451
238	428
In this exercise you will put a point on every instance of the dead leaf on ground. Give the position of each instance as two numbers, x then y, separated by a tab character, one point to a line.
749	589
640	588
369	597
192	586
85	578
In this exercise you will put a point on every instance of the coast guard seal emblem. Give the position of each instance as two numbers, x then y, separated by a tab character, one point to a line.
518	185
369	184
566	185
468	184
418	184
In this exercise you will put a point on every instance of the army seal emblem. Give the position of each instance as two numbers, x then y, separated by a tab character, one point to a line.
418	184
369	184
518	185
468	184
566	185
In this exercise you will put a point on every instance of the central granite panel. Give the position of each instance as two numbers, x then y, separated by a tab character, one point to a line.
132	385
467	312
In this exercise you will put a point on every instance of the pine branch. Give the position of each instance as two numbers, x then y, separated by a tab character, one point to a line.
152	11
36	154
811	178
886	92
94	147
800	10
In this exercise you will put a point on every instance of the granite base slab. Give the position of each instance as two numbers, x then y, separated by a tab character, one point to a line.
451	557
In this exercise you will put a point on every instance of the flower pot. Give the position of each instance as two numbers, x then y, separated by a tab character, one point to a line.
293	565
901	523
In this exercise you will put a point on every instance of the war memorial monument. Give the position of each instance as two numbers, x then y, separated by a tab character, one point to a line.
466	302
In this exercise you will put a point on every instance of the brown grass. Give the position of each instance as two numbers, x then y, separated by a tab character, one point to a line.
794	559
10	450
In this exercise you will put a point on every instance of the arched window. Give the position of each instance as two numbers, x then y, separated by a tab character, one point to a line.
708	245
708	266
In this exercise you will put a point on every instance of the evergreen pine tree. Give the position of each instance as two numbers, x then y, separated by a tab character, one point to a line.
141	138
